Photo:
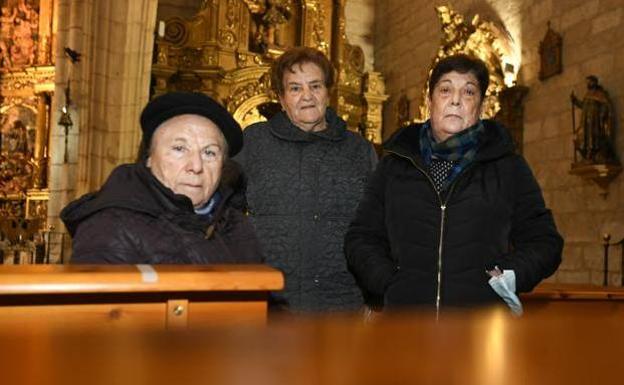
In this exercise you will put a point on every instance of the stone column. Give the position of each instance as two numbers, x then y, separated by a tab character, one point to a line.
109	86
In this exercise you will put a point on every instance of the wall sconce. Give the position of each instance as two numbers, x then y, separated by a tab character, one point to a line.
66	122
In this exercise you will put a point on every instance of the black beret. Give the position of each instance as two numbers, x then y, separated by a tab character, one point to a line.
172	104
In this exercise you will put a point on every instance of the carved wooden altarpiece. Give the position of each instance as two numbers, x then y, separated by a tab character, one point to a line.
26	86
226	50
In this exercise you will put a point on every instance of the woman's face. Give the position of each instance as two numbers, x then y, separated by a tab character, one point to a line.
187	154
455	104
305	96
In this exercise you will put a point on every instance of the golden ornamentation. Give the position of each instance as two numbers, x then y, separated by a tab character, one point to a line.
162	54
230	60
256	6
208	57
477	38
227	35
19	28
44	51
191	57
248	90
28	81
374	95
12	207
37	204
24	113
318	30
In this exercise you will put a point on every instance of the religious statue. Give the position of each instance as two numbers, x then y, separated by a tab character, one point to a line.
269	16
593	138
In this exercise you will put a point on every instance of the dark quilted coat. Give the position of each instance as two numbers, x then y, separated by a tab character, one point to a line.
405	235
302	191
135	219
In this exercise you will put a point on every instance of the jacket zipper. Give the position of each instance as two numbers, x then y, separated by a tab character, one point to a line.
442	222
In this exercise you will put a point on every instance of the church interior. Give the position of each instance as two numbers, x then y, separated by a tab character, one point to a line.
75	75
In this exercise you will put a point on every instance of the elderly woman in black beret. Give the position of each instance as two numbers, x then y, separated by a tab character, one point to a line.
453	217
172	206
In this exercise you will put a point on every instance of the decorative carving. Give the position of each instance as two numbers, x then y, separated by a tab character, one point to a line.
225	50
162	54
176	32
227	35
227	38
319	38
44	51
550	54
190	57
24	113
245	59
352	67
188	81
374	94
267	27
37	204
19	24
261	86
28	81
12	207
478	39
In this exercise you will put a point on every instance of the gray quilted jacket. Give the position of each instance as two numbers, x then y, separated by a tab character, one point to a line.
302	191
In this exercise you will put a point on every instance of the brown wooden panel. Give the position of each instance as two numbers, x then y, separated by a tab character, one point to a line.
204	314
87	316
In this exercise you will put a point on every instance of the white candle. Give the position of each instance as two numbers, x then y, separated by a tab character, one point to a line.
161	29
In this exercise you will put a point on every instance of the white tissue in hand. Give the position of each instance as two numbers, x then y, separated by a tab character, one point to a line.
505	286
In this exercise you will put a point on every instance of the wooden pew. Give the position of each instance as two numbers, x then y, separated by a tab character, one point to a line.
483	348
134	296
575	300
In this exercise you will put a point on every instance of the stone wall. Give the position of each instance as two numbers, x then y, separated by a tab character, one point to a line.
407	34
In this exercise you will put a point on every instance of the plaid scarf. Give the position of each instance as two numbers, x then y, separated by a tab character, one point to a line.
460	149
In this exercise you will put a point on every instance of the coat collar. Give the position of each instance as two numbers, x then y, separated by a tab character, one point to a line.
133	187
283	128
496	142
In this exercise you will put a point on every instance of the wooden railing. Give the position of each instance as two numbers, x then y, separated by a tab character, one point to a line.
142	296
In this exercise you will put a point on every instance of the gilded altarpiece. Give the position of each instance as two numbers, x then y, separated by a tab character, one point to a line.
26	87
227	48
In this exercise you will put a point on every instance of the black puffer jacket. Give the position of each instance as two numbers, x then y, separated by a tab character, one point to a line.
411	245
136	219
302	191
